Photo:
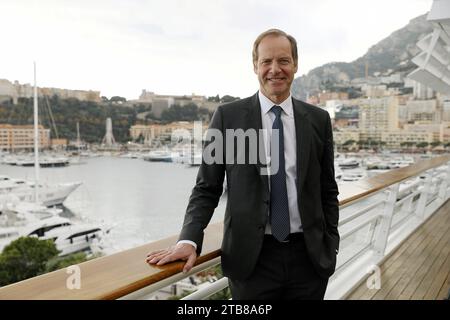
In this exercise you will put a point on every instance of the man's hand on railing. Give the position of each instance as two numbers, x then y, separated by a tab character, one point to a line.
180	251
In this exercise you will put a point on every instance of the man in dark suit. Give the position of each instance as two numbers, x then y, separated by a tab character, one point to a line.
280	230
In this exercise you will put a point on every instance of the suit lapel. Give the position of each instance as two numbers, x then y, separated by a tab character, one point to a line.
254	121
303	137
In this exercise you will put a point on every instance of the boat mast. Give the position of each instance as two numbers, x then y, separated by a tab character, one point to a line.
36	141
78	137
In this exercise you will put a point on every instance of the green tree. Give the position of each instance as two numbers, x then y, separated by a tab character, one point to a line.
24	258
422	145
434	144
57	263
117	99
215	99
188	112
67	112
227	98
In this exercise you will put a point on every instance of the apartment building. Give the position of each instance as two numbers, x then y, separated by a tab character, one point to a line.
21	137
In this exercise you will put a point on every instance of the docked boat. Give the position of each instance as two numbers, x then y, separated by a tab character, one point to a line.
348	163
28	220
74	238
49	194
353	176
158	156
389	164
44	162
31	220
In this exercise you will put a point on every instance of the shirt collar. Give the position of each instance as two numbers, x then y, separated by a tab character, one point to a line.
267	104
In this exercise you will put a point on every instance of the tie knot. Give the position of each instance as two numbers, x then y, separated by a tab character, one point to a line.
276	110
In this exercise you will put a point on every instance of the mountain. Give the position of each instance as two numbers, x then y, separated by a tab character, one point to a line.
390	55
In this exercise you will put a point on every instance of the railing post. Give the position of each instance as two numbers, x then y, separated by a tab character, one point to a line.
408	206
385	224
444	185
420	211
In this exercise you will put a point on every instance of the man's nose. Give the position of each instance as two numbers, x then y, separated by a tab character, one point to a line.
275	67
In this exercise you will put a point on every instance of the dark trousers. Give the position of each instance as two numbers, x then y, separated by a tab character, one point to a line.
283	272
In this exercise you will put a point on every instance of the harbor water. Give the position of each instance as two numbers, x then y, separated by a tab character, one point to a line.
142	201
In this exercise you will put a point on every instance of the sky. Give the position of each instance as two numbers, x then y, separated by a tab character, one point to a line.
119	47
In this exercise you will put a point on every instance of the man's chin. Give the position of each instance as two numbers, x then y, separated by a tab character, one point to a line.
278	92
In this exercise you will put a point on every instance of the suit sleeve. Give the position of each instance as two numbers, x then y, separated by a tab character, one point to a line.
330	203
206	192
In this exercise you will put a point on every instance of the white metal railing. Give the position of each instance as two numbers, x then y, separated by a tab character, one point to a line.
371	228
403	207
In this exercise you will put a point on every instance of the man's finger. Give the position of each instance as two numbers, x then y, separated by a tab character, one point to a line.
190	263
157	256
155	252
169	258
160	254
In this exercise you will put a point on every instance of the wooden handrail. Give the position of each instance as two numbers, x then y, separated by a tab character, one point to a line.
119	274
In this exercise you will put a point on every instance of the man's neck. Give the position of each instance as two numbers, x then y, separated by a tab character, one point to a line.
276	99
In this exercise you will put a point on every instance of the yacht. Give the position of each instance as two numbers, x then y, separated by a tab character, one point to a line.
353	176
74	238
348	163
49	194
30	220
398	162
19	223
158	156
44	162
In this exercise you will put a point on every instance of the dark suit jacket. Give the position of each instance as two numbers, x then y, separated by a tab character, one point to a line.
247	207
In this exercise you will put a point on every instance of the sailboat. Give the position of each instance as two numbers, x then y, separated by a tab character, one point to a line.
76	159
18	218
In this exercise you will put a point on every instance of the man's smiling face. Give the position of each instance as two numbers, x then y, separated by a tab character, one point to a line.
275	67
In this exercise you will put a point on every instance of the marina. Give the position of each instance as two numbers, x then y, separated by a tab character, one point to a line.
140	201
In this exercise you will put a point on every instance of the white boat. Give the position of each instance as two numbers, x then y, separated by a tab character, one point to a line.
49	194
58	161
400	162
74	238
31	220
389	164
353	176
28	220
44	162
158	156
348	163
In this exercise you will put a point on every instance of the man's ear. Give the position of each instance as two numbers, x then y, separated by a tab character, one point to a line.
296	68
255	67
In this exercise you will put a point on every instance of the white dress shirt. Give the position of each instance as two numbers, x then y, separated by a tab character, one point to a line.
290	156
290	153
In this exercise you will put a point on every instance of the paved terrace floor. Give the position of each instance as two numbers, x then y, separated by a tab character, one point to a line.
420	267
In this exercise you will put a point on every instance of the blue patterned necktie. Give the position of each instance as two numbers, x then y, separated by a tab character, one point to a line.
279	208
